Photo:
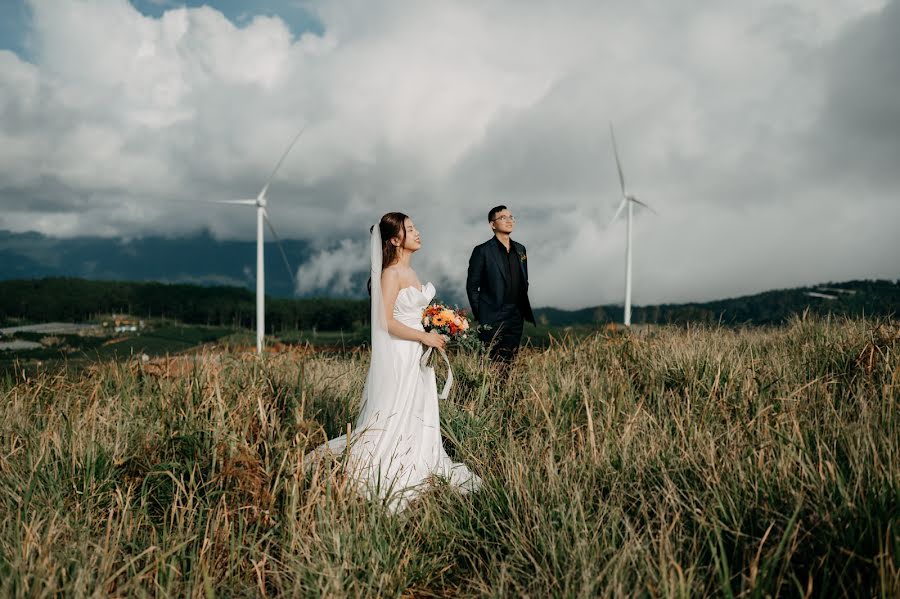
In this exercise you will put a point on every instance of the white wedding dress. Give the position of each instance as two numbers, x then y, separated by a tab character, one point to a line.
395	449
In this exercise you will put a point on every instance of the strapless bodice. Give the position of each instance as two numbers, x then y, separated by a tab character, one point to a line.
411	301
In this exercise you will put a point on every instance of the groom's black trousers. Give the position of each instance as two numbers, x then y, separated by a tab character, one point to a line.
505	334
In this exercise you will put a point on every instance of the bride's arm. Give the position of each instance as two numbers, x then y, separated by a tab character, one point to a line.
390	289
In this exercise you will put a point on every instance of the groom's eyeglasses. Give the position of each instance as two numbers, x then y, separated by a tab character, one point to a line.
510	218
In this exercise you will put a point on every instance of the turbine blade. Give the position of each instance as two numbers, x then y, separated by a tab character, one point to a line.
281	160
618	212
637	201
612	135
280	247
238	202
180	201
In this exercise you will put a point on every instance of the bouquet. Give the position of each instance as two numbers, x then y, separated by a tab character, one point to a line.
451	323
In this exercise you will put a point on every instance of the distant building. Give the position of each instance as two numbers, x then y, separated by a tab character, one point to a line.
124	324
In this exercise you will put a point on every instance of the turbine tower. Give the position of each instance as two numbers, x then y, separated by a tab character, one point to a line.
628	201
262	217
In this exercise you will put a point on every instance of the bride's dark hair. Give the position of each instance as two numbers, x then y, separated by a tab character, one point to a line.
391	225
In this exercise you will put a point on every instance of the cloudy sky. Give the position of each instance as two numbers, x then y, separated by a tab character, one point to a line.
766	134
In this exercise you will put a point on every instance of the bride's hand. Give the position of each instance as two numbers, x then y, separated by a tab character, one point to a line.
435	340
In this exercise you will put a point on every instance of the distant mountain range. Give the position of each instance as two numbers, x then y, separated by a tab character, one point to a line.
198	259
205	261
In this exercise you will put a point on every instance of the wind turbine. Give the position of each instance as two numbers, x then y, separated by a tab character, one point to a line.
262	216
629	201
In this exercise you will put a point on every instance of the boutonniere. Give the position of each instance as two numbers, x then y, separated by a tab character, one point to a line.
523	257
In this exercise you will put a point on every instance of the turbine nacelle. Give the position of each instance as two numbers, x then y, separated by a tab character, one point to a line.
261	198
625	201
640	203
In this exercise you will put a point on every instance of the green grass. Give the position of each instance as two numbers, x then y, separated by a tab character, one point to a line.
77	351
170	339
680	462
327	339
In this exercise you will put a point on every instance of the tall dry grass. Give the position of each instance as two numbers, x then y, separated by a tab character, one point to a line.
676	463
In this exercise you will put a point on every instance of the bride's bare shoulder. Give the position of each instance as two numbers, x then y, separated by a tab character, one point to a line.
390	275
403	276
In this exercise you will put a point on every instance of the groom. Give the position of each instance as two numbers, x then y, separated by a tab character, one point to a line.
497	286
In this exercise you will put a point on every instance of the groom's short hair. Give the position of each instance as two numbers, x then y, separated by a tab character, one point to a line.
493	213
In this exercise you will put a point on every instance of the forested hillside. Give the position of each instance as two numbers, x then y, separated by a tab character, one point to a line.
61	299
852	298
65	299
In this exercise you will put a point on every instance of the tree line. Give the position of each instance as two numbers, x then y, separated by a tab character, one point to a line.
79	300
70	299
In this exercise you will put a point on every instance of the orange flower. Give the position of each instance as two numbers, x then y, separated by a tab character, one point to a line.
438	317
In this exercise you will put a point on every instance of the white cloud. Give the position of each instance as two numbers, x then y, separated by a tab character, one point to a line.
334	269
726	113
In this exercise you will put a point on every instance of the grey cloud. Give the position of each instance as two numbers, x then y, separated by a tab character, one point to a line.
858	134
746	130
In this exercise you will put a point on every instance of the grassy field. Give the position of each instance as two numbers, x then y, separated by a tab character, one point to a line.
678	462
77	351
73	352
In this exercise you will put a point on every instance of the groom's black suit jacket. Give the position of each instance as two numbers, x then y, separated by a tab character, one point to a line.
488	279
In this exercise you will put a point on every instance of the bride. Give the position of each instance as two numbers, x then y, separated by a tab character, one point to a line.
395	448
